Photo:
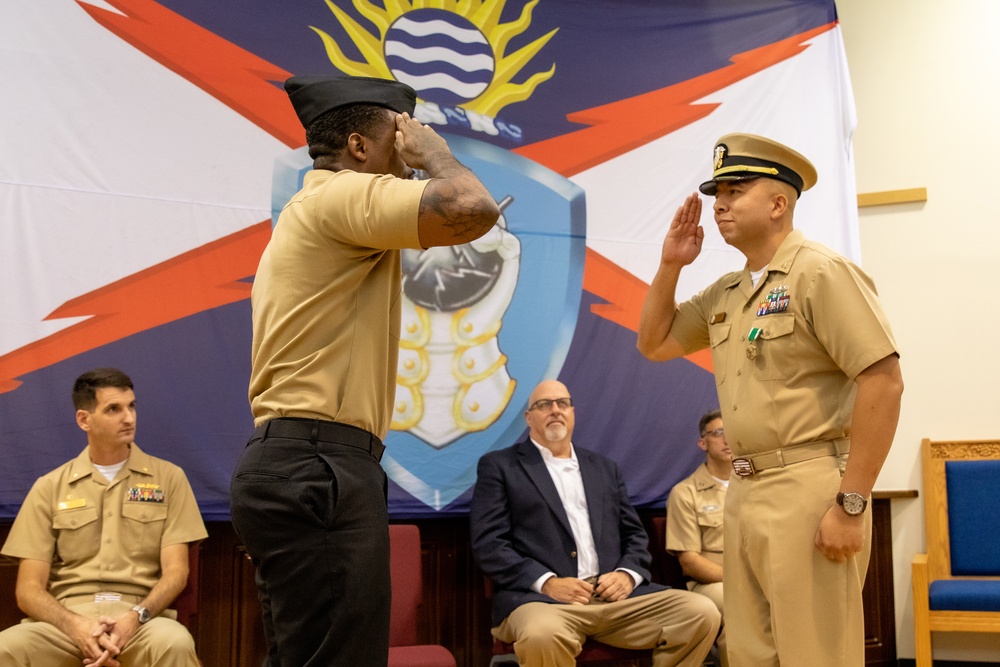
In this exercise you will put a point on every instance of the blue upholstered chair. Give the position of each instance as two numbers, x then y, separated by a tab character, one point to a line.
956	584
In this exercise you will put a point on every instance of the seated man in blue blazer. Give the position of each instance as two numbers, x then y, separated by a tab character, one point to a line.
553	527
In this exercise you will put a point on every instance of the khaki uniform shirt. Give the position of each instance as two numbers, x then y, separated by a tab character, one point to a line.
694	515
820	324
326	301
105	536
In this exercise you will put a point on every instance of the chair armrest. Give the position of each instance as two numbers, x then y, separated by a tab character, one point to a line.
921	583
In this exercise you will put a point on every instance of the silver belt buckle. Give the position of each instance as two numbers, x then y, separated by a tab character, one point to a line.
743	467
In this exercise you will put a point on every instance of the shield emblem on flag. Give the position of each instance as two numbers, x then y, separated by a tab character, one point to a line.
483	323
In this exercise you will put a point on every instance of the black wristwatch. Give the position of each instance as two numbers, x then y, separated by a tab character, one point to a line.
144	616
852	503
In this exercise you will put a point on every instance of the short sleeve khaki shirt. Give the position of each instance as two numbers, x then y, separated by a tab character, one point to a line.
786	352
327	300
105	536
694	515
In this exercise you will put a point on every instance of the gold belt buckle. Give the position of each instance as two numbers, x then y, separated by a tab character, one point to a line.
743	467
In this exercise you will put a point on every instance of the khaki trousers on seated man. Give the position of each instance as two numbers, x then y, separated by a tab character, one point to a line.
162	641
677	625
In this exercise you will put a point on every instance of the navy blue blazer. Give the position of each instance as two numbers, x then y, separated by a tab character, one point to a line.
520	530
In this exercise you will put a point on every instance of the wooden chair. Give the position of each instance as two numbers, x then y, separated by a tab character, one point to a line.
406	574
956	584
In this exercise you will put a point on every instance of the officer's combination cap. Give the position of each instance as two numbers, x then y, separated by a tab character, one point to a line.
313	96
740	157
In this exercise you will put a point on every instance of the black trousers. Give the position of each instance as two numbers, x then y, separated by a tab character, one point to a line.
313	517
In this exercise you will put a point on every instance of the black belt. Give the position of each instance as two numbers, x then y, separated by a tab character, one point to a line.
320	430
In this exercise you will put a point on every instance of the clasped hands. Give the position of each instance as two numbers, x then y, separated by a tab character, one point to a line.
107	638
610	587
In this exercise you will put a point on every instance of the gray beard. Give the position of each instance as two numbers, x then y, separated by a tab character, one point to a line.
555	432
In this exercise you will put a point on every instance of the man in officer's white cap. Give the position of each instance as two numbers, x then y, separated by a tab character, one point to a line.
809	386
308	494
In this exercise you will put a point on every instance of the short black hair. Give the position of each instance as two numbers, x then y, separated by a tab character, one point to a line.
707	418
86	386
327	135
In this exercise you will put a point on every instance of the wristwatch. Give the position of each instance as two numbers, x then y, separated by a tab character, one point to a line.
144	616
852	503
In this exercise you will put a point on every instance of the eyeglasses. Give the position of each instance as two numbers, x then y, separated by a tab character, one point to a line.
717	432
546	404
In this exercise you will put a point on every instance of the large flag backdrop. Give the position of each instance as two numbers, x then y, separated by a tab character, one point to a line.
146	146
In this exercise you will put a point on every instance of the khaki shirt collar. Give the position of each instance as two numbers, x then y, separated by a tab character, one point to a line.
139	461
780	263
703	479
82	467
785	255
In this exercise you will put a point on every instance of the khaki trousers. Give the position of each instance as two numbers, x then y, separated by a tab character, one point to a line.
679	626
788	604
713	592
162	642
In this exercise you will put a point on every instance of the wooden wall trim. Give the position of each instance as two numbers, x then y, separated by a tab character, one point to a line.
886	197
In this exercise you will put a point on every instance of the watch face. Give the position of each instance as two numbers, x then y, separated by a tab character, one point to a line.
853	503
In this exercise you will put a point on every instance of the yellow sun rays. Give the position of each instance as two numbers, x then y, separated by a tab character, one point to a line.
484	14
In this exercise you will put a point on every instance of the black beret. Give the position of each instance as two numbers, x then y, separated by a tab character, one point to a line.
313	96
741	156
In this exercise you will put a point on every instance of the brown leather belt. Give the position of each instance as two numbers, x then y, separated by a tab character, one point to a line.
745	466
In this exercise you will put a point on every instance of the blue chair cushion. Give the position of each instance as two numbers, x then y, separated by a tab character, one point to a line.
965	595
974	517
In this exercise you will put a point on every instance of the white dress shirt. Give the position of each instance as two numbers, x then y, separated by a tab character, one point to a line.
565	473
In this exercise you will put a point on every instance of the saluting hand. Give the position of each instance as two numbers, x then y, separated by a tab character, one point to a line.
418	143
685	235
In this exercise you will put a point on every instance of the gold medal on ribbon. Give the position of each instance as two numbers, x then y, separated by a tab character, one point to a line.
752	347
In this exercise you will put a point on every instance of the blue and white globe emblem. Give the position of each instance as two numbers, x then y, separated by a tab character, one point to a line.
442	55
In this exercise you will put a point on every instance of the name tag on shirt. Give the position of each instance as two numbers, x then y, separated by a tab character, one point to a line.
73	504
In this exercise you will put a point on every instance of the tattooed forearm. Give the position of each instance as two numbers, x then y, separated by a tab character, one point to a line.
455	207
462	209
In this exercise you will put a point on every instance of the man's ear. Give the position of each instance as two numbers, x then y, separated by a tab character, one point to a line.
83	419
357	146
779	205
702	445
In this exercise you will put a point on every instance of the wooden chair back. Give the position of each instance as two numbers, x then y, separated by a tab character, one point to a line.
956	583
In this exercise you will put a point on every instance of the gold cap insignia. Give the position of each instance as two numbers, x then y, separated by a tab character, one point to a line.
720	155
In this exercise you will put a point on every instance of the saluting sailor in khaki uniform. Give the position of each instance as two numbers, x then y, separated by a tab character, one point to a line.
308	495
103	547
807	371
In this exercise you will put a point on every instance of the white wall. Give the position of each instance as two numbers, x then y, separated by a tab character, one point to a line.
927	90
